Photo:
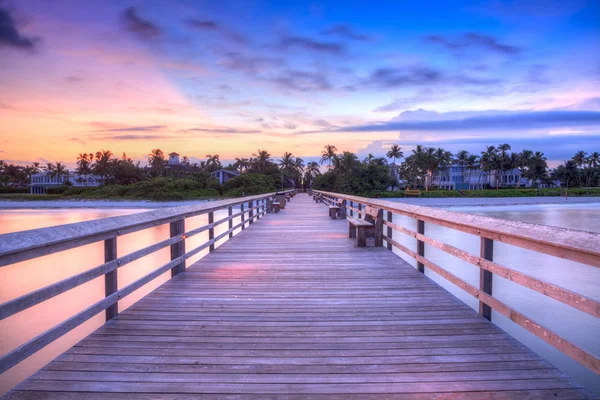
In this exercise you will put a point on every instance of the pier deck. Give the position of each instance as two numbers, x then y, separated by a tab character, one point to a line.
291	308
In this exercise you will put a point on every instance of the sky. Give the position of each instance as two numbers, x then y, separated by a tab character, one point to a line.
230	77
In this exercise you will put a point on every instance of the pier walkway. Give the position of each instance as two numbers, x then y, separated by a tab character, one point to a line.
291	308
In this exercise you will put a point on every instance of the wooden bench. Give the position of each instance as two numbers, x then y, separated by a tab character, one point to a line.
275	206
371	224
317	197
335	210
412	192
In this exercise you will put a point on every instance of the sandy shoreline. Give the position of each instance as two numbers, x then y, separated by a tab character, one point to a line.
429	202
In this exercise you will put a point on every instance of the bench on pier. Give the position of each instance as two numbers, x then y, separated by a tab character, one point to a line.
372	224
335	210
273	206
412	192
281	198
317	197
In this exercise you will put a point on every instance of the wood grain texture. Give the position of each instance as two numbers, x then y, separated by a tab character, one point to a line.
290	308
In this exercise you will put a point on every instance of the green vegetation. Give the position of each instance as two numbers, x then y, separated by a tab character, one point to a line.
122	178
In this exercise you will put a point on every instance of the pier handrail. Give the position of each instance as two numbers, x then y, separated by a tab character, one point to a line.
26	245
575	245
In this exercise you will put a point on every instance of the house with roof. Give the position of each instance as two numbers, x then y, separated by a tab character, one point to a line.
224	175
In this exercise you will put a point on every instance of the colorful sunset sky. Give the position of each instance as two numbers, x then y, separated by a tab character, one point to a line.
229	77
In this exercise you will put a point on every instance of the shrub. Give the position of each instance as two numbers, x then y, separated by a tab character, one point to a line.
248	184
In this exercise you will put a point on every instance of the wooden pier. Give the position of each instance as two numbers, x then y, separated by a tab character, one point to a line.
291	308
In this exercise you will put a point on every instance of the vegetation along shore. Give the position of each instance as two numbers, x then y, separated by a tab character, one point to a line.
344	172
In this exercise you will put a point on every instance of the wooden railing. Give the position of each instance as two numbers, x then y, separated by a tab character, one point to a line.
27	245
579	246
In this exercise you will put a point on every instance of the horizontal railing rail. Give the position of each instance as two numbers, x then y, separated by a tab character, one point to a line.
27	245
574	245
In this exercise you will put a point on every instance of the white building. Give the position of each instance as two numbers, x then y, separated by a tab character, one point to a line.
173	159
44	180
223	175
461	177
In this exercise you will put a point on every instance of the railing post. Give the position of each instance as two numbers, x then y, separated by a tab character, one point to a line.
250	212
242	214
269	206
389	229
177	228
485	277
343	209
211	231
230	213
379	228
420	245
359	208
351	211
258	205
110	278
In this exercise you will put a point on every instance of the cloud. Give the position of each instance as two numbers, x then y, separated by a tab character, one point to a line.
213	26
389	78
222	130
592	103
489	120
298	42
133	129
139	26
473	40
250	64
137	137
423	96
73	79
289	125
302	81
345	32
10	36
225	87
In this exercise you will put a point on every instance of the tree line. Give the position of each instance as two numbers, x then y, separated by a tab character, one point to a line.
415	169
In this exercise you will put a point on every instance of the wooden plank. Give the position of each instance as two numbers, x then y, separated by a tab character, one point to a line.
263	318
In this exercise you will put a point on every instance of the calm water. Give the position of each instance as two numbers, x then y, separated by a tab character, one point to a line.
574	325
24	277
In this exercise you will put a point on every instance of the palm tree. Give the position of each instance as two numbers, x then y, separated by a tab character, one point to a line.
522	164
418	162
84	161
471	161
287	161
261	158
299	165
242	164
328	155
579	159
312	169
395	152
346	161
101	167
503	160
489	161
537	169
212	162
59	171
